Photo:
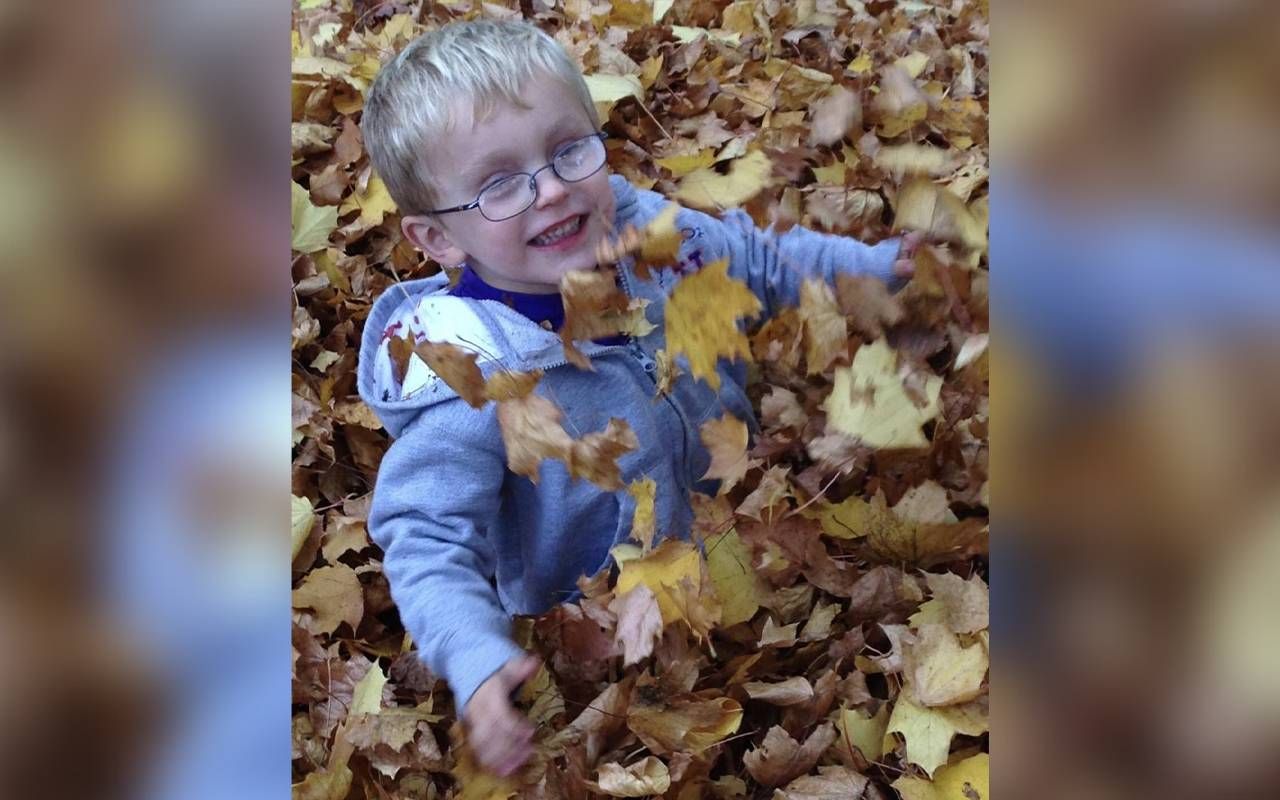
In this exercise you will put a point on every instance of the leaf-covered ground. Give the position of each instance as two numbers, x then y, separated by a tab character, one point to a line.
830	638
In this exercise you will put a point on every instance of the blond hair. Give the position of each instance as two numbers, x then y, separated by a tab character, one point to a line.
421	94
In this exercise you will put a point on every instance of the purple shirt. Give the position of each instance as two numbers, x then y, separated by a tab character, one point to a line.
541	308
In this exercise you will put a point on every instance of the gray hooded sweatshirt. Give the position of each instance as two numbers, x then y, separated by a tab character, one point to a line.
468	543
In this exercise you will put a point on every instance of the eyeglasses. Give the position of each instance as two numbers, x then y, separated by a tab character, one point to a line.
512	194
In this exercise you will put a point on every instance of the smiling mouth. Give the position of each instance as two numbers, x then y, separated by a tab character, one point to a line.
560	232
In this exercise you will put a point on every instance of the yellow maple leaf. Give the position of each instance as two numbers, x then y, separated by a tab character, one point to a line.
310	224
869	401
681	165
374	203
702	319
740	588
864	733
928	731
711	191
607	90
963	780
662	571
940	670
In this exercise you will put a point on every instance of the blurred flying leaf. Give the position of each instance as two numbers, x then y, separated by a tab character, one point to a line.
702	319
712	191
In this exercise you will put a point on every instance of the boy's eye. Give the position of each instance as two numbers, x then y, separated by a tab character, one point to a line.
504	187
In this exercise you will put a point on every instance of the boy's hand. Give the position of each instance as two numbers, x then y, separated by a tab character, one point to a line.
905	266
499	734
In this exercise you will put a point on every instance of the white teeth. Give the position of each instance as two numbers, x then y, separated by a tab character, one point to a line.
559	232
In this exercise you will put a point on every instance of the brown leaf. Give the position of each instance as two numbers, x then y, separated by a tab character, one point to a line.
825	335
795	689
781	758
639	623
646	777
335	594
726	439
666	725
456	367
866	301
831	783
531	431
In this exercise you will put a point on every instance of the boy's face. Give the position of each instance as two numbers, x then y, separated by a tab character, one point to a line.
513	140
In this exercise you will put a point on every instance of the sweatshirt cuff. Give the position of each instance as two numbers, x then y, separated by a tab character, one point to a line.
880	262
472	664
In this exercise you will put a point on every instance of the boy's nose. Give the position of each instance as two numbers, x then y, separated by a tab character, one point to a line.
551	189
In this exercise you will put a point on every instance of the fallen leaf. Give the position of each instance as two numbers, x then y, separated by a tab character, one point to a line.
738	586
962	605
726	440
646	777
867	303
661	570
667	726
940	670
831	783
862	732
335	594
301	520
789	692
825	335
310	225
869	401
928	731
968	779
780	758
639	623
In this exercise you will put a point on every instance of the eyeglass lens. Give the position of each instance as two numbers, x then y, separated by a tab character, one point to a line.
510	196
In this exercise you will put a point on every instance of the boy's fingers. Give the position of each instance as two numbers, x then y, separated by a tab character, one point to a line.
904	268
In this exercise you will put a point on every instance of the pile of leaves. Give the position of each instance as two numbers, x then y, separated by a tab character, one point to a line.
824	634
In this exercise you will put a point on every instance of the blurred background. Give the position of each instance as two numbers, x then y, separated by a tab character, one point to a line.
144	399
1136	449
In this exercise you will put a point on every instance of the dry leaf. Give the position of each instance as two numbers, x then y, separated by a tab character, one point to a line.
646	777
781	758
726	440
702	319
711	191
639	623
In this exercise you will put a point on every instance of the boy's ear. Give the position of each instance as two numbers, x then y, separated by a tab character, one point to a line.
431	238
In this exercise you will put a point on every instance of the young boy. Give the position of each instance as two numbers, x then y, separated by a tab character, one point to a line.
487	139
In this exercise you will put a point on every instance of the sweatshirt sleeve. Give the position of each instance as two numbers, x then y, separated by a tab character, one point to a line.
436	495
774	265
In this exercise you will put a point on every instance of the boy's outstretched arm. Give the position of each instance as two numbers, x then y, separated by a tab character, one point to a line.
775	265
437	492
